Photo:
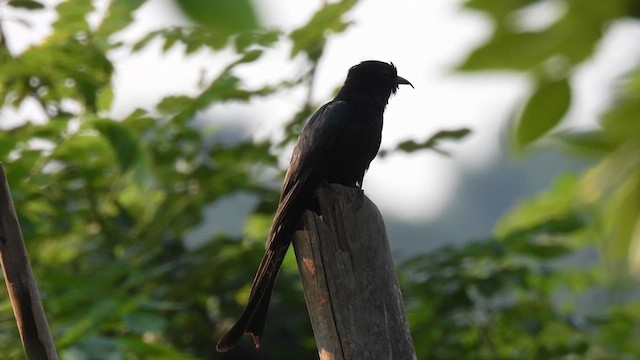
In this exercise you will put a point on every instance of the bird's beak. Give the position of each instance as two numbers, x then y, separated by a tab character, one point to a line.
403	81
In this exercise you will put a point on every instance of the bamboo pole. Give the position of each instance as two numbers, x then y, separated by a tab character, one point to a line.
350	286
21	284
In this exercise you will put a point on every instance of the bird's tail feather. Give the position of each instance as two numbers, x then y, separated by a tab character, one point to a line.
286	220
253	317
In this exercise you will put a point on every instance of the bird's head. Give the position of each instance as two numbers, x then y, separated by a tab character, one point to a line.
375	78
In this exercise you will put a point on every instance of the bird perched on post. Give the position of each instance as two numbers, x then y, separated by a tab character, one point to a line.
336	146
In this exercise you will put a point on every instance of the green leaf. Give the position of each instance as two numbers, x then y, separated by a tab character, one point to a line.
174	104
26	4
311	37
587	142
72	18
143	171
620	122
620	214
119	15
433	142
497	8
264	39
511	51
555	204
193	38
543	111
122	141
104	99
568	41
250	56
634	249
223	16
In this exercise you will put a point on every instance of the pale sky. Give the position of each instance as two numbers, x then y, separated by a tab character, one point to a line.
424	39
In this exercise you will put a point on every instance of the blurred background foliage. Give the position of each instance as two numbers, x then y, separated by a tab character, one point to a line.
107	204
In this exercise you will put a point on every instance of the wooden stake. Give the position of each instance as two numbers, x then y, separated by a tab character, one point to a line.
27	306
350	286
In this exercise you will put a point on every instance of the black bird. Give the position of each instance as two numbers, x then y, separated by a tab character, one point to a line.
336	146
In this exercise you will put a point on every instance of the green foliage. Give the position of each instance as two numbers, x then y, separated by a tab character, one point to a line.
549	56
572	38
72	18
543	111
26	4
432	143
558	204
312	37
118	16
586	142
537	265
498	299
518	294
121	140
226	17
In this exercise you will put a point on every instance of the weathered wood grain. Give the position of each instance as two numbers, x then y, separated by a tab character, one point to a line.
350	286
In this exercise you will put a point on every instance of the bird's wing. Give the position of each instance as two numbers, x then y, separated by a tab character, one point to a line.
323	130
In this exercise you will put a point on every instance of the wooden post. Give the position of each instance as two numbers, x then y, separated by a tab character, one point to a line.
27	307
350	286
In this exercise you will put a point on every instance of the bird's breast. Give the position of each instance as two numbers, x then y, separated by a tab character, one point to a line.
353	151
